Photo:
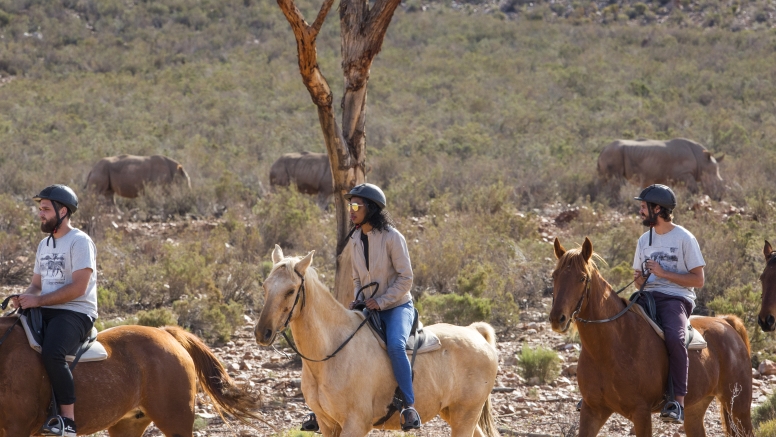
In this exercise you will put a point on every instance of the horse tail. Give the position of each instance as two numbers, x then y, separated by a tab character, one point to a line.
486	422
215	381
486	331
740	328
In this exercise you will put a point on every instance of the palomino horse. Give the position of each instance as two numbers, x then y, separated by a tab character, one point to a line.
766	319
623	366
150	375
351	391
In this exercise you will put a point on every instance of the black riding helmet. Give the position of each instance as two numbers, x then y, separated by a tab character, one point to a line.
368	191
657	194
58	195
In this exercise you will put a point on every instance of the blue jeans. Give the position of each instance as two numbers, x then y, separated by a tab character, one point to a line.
398	324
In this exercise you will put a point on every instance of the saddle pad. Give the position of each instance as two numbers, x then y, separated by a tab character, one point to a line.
95	353
430	342
696	343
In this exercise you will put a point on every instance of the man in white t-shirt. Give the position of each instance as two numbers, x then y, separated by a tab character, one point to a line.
671	259
64	286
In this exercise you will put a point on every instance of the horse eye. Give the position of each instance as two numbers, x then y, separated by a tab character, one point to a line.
289	292
583	279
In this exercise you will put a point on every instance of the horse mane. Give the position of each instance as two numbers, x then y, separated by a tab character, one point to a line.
573	258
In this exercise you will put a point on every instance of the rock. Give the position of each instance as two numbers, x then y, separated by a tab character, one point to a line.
570	370
233	367
767	367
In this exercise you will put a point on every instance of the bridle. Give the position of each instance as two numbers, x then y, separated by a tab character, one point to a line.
633	300
301	292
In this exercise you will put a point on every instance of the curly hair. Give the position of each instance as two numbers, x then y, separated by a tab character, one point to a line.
379	220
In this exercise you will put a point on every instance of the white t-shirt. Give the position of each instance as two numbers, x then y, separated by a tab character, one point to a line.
74	251
677	251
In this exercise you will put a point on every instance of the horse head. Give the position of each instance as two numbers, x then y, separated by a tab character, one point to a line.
570	283
766	318
283	295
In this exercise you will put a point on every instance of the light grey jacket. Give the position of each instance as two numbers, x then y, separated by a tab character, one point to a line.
389	266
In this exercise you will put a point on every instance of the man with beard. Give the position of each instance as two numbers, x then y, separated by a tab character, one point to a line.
670	261
64	286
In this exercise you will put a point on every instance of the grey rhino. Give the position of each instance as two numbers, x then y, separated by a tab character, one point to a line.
647	162
125	175
310	172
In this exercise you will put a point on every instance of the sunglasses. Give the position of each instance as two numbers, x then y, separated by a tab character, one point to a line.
355	206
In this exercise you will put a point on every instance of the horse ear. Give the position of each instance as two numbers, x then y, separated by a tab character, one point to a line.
587	249
304	263
767	250
559	250
277	254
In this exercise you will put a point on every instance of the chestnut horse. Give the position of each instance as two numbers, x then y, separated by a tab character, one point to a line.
351	391
766	318
623	366
150	375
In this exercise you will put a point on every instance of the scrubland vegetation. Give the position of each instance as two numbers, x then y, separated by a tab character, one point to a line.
481	127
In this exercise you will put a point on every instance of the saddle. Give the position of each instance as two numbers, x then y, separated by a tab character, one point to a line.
426	341
90	350
647	309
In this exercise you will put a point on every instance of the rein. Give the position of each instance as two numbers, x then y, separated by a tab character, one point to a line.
617	316
301	292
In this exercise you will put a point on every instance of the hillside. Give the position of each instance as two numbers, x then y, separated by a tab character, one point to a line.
484	124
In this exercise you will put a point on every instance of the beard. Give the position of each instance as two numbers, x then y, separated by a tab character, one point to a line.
48	226
647	222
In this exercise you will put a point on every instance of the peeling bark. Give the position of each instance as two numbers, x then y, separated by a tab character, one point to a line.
362	32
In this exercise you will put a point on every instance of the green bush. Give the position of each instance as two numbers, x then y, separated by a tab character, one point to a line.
212	321
765	413
455	309
156	317
766	429
539	363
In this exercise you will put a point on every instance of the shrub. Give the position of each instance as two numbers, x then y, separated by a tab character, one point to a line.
765	413
540	363
455	309
767	429
156	317
212	321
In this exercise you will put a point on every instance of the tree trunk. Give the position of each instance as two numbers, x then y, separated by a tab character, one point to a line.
362	32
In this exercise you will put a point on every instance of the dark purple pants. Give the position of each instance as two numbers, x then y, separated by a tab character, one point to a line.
673	312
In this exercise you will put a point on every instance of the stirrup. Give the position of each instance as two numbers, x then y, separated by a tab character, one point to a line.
310	423
54	425
411	420
672	413
579	405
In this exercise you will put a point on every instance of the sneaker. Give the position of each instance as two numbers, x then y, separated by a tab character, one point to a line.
672	413
410	419
310	423
59	426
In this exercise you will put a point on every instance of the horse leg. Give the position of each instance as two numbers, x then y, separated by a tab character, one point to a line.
693	418
591	421
356	425
130	427
463	422
736	416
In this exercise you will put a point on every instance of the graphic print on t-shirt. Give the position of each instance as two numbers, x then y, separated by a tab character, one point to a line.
52	268
667	257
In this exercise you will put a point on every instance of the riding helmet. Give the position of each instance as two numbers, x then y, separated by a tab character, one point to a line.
368	191
659	195
59	193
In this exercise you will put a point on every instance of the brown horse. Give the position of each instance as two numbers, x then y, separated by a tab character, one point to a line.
766	318
351	391
150	375
623	366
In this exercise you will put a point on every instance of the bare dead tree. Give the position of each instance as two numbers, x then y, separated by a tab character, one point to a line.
362	30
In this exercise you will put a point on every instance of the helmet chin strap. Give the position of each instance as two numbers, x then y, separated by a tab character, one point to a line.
56	206
652	219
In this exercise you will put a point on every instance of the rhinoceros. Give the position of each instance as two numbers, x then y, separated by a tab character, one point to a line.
310	172
125	175
646	162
